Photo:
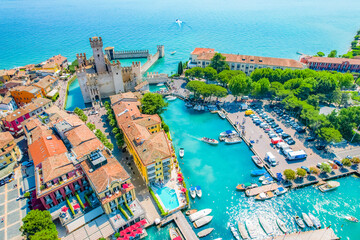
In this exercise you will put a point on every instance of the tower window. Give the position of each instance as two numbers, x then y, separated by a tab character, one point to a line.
98	55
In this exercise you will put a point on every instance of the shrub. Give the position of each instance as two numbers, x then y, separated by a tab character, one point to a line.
346	162
56	96
301	172
87	200
91	126
325	168
314	170
128	208
27	195
163	213
42	187
79	200
117	235
115	130
289	174
355	160
186	193
123	212
70	206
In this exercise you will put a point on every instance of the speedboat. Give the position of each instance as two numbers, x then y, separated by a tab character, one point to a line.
228	132
198	191
202	221
205	232
315	220
299	222
352	219
192	192
256	173
170	98
172	53
234	232
181	152
330	185
307	220
264	196
199	214
174	235
244	234
257	161
222	114
246	186
191	211
251	229
265	225
233	140
160	84
210	141
282	225
268	181
280	191
264	177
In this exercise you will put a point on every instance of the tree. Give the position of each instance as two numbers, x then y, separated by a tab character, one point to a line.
210	73
153	103
180	68
345	97
314	170
330	134
115	130
240	85
218	63
91	126
353	44
301	172
355	160
37	224
225	76
325	168
320	54
332	54
289	174
346	162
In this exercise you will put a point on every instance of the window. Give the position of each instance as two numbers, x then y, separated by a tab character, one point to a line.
16	121
8	154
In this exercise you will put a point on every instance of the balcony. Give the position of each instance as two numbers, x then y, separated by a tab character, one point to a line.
85	182
67	191
58	196
48	201
77	186
151	170
151	176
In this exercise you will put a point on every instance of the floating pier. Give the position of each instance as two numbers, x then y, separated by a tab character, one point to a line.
320	234
182	224
264	188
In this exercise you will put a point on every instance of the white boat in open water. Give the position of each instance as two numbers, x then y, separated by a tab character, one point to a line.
330	185
192	192
251	229
181	152
200	214
234	231
315	220
244	234
170	98
202	221
210	141
307	220
205	232
160	84
222	114
266	226
198	191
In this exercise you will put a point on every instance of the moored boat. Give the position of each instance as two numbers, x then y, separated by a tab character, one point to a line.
244	234
205	232
192	192
170	98
233	140
307	220
198	191
234	232
282	226
202	221
251	229
268	181
160	84
266	226
280	191
315	220
174	235
188	105
222	114
264	196
199	214
181	152
299	222
257	161
210	141
264	177
228	132
258	172
246	186
191	211
352	219
330	185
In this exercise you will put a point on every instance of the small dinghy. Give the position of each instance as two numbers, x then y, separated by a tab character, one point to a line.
257	161
172	53
170	98
191	211
222	114
181	152
199	214
174	235
282	226
205	232
210	141
246	186
192	192
299	222
280	191
198	191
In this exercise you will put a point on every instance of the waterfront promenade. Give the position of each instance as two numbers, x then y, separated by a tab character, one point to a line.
319	234
182	224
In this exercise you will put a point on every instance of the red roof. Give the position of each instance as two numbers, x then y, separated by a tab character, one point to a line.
198	51
333	60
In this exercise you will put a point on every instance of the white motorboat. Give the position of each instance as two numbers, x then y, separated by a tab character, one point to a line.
315	220
299	222
202	221
172	53
307	220
244	234
266	226
199	214
234	232
251	229
181	152
187	104
160	84
352	219
228	132
198	191
233	140
192	192
202	108
330	185
170	98
264	195
280	191
267	182
210	141
174	235
222	114
282	226
205	232
257	161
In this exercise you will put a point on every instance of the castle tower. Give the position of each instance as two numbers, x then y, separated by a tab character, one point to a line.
161	51
98	54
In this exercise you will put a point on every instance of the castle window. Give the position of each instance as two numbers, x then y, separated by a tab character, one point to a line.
117	73
98	55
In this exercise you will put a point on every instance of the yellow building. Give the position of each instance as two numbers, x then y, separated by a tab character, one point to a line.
144	138
10	151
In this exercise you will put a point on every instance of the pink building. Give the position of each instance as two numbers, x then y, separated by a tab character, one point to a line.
332	64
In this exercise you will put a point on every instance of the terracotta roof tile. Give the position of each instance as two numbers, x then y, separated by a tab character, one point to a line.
87	147
35	104
198	51
334	60
46	82
5	138
56	166
79	135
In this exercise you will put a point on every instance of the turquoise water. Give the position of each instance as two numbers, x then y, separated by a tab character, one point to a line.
218	169
154	87
168	198
32	31
74	98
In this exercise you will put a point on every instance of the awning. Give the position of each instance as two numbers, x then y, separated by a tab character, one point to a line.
52	93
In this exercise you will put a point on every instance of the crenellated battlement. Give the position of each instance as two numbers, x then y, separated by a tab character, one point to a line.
136	64
96	42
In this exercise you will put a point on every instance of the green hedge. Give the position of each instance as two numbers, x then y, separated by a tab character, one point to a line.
163	213
123	212
70	206
87	200
186	193
79	200
56	96
128	208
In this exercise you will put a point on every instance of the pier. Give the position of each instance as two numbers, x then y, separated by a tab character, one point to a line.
320	234
264	188
183	225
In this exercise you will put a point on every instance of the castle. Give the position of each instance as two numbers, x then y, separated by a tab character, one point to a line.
99	78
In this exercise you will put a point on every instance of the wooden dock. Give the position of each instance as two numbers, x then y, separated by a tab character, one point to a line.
264	188
320	234
183	225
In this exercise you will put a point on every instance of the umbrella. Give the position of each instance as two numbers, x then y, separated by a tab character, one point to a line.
138	224
125	186
64	209
139	231
180	179
76	206
143	222
132	234
123	232
183	189
179	174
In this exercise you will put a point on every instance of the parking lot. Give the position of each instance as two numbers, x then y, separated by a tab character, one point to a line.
262	142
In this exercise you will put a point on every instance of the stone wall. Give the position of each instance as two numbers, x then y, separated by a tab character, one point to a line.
155	78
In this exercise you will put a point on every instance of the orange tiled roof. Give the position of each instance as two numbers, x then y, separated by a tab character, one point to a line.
46	82
56	166
79	135
35	104
58	59
87	147
46	147
31	89
334	60
198	51
35	129
128	96
5	138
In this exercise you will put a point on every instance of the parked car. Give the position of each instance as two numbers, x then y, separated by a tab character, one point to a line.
266	129
295	126
320	147
257	122
276	128
274	125
290	141
300	129
279	130
272	135
285	135
337	162
306	169
310	139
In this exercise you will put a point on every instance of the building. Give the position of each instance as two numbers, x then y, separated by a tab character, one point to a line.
7	104
201	57
60	61
25	94
331	64
99	78
6	75
12	122
53	64
146	141
10	151
47	84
